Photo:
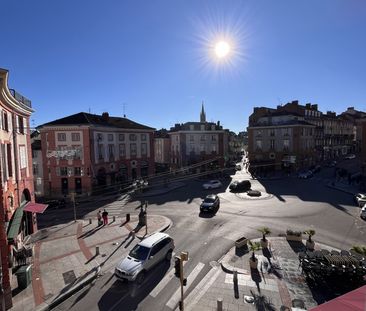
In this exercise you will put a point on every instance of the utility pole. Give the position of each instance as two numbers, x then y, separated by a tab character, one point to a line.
73	200
146	204
178	265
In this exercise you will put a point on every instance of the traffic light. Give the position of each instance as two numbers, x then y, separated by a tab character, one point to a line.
185	282
177	266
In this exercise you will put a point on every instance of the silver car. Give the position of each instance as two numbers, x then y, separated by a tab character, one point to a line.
144	256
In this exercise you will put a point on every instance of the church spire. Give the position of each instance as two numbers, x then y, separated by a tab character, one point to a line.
203	115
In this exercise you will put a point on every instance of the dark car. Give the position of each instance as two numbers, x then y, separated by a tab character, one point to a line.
211	203
240	185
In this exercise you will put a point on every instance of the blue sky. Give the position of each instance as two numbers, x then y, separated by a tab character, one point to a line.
155	57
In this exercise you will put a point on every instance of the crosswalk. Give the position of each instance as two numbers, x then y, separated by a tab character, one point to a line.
115	208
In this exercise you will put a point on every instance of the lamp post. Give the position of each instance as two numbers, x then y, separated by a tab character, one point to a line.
73	201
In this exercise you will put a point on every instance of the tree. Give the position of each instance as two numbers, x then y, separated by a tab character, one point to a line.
265	231
254	246
310	233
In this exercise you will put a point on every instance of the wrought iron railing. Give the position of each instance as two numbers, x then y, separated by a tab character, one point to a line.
19	97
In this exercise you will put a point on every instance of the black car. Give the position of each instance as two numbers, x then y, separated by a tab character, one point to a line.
240	185
211	203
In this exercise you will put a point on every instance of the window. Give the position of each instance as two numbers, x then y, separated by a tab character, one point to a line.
122	150
61	136
258	133
286	144
10	166
23	157
133	150
35	169
271	144
258	144
99	137
213	138
271	132
63	171
121	137
133	137
202	148
191	138
100	152
191	149
143	137
285	131
77	171
202	127
214	148
110	137
144	150
62	151
111	152
75	136
20	124
5	124
203	137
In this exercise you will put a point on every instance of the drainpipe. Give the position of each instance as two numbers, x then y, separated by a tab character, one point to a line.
16	168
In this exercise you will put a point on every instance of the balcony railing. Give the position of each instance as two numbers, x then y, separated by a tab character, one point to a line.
19	97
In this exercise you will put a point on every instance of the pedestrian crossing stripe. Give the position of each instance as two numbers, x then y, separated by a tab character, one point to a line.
173	301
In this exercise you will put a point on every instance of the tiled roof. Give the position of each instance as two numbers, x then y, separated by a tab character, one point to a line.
93	119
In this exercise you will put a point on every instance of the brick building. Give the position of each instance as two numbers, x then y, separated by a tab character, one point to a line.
85	152
162	150
16	187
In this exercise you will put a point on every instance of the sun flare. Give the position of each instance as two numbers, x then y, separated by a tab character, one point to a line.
222	49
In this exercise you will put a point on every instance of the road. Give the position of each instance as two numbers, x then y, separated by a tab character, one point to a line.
296	204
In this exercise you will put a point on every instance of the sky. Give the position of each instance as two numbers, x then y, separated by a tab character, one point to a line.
154	60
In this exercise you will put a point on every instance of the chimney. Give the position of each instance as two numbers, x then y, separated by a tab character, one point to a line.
314	107
308	106
105	116
295	102
218	123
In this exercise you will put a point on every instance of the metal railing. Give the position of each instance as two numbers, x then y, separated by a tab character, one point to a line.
19	97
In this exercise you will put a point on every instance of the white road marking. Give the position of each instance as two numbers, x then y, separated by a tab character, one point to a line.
197	293
164	281
173	301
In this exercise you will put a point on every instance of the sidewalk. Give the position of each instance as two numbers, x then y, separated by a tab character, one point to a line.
65	257
280	286
345	187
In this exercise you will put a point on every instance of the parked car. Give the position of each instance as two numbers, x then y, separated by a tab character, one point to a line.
240	185
211	203
331	163
316	169
144	256
363	212
350	156
212	184
360	199
305	174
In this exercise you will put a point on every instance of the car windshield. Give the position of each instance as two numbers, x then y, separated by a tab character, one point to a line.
139	252
209	200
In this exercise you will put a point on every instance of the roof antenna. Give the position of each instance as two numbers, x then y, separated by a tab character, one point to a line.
89	110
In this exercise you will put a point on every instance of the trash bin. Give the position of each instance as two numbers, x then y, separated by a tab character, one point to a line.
24	276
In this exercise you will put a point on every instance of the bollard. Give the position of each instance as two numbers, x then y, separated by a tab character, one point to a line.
235	277
219	304
90	221
127	217
96	250
133	233
114	218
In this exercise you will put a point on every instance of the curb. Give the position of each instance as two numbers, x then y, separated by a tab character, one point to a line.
166	226
340	189
61	298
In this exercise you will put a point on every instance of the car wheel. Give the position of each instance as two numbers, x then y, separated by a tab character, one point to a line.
168	256
140	277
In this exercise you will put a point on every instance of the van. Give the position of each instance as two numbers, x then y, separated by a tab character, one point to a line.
144	256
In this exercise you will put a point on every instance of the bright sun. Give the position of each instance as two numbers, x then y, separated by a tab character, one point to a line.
222	49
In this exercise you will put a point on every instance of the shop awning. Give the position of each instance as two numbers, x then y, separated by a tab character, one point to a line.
35	207
15	222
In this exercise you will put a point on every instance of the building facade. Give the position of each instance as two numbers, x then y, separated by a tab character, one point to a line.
280	141
195	142
85	153
162	150
16	186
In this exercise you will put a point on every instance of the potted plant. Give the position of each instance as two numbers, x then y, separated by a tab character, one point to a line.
310	244
293	235
265	231
253	261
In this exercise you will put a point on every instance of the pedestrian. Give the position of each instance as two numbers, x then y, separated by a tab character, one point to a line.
99	216
105	217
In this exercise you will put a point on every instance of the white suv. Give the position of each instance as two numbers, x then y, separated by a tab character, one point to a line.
144	256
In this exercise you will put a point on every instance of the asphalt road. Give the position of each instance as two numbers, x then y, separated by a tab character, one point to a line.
294	203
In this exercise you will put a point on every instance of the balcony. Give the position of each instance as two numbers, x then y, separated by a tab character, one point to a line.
20	98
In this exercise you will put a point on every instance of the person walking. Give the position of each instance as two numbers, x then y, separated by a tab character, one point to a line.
99	216
105	217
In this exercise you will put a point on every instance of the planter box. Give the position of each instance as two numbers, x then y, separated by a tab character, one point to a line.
241	242
294	238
